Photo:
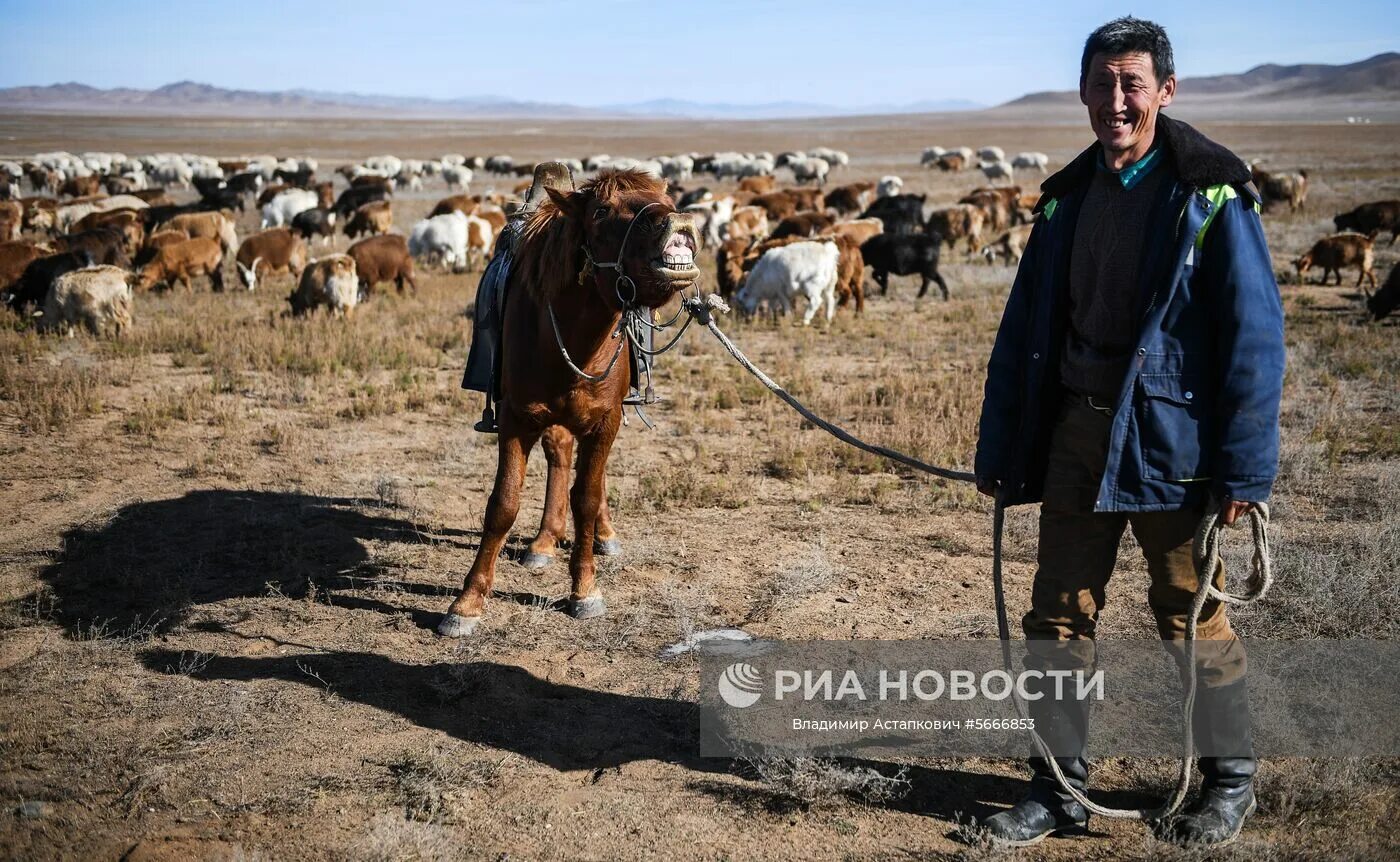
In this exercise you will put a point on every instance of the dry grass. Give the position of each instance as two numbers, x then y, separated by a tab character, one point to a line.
235	531
814	782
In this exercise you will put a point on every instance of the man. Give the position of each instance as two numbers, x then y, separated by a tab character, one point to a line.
1137	373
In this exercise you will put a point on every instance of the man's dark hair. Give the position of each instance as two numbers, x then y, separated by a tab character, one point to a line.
1129	35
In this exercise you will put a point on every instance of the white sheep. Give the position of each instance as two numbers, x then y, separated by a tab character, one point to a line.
1040	161
810	168
456	176
286	206
442	237
999	170
835	158
991	154
96	297
801	269
889	186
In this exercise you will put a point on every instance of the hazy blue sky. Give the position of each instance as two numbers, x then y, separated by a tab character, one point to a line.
851	52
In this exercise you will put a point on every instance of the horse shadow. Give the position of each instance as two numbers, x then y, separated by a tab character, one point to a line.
572	728
153	562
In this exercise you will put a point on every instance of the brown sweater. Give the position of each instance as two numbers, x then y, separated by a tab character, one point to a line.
1105	282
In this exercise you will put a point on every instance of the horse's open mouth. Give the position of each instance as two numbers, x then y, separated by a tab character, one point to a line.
677	259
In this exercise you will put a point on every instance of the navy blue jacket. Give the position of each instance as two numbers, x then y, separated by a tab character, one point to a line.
1198	409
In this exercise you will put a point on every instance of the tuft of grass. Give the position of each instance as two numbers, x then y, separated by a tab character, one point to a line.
797	578
391	838
432	786
46	398
160	411
808	782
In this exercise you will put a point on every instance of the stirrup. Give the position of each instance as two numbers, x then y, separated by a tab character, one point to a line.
487	423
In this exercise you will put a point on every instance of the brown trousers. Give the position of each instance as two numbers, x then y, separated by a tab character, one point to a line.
1078	549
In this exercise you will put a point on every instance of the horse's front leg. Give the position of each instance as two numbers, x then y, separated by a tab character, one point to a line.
465	612
605	541
585	599
558	445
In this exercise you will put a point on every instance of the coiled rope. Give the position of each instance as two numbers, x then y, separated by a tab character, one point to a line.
1205	552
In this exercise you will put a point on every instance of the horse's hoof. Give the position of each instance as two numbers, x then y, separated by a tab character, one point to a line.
587	609
457	626
607	547
535	561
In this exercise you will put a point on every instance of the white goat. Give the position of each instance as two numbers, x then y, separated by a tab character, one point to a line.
286	206
801	269
443	238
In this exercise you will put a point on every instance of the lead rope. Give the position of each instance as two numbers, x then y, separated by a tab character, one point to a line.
1205	551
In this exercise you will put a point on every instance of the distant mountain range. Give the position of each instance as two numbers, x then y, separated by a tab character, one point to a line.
187	97
1376	80
782	110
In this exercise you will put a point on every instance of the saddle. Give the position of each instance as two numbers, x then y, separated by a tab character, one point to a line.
484	356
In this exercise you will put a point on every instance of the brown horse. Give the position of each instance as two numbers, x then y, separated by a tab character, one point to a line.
585	260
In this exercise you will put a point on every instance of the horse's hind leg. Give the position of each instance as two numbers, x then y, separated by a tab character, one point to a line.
465	612
586	600
558	445
605	541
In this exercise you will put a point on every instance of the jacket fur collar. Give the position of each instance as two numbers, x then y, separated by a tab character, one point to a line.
1198	162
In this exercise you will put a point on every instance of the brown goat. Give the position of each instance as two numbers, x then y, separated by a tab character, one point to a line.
1291	189
962	221
274	250
383	258
373	218
181	262
860	229
759	185
808	223
456	203
849	199
1339	250
127	221
778	205
729	266
14	257
1376	216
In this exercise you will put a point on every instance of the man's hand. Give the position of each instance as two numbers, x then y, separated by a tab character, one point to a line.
1233	510
987	486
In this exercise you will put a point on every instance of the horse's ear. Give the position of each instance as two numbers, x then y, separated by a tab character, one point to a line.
569	203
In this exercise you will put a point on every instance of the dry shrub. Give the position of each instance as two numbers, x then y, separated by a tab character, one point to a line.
391	838
797	578
807	782
1293	792
432	786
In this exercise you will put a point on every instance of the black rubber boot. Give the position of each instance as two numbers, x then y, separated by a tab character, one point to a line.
1221	725
1046	810
1049	809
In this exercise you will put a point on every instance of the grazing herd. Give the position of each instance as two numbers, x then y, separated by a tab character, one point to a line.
82	235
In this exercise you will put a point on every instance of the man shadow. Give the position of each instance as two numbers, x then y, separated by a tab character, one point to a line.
152	562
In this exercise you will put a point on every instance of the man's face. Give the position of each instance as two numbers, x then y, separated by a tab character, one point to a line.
1123	97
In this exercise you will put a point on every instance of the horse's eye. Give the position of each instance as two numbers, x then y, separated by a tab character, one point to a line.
600	213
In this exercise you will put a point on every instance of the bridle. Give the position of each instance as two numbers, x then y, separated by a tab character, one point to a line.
631	322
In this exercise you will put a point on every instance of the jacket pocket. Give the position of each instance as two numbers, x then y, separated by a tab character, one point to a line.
1173	428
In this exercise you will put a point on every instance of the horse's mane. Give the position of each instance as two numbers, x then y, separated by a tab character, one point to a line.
550	255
